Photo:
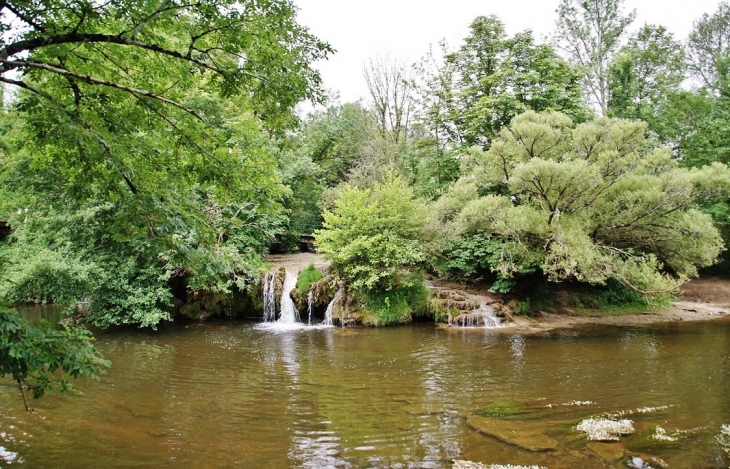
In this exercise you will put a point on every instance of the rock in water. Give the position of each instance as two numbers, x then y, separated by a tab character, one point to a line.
520	434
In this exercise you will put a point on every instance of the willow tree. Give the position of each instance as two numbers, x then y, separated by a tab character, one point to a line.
590	202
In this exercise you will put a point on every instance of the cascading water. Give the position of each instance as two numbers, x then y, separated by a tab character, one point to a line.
269	299
288	317
310	304
328	312
289	313
481	317
490	318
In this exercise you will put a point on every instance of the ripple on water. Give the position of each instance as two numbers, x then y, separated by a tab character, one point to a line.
247	396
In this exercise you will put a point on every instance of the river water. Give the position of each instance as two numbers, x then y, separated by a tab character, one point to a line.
230	394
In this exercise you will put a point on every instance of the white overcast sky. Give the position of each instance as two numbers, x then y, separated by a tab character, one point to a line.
404	29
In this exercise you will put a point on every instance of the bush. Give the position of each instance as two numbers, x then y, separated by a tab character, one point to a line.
373	236
307	277
397	306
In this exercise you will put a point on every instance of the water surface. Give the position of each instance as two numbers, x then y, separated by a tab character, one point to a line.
233	395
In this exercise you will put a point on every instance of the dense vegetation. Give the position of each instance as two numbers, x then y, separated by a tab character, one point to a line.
149	151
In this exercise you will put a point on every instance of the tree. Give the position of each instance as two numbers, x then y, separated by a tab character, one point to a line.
708	48
143	145
590	33
44	359
373	235
391	90
497	78
590	202
644	76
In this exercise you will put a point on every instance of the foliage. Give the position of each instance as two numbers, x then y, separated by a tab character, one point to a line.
590	33
398	306
523	308
466	256
373	235
615	295
43	358
139	147
708	48
590	202
497	77
308	276
643	77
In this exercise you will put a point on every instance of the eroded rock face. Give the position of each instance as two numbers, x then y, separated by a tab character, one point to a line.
461	308
525	435
322	293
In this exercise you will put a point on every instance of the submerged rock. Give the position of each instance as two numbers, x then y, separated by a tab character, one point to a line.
521	434
607	451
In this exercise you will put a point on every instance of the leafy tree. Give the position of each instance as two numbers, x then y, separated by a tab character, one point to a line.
143	144
497	78
708	48
588	202
43	358
644	76
373	235
590	33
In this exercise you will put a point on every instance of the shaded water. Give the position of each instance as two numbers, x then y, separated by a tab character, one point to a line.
233	395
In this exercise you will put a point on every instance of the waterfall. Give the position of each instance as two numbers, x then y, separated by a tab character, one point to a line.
483	316
269	300
310	303
328	313
289	313
490	319
288	317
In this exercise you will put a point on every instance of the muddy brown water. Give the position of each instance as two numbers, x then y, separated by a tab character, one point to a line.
231	395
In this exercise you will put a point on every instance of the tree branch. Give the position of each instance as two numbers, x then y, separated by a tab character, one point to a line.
76	37
96	81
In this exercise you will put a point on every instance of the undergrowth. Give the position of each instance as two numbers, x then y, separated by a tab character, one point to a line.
307	277
397	306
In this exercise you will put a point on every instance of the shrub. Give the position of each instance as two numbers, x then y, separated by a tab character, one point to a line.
307	277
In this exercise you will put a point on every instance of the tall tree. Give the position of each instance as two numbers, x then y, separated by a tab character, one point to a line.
392	96
644	76
708	48
590	32
497	77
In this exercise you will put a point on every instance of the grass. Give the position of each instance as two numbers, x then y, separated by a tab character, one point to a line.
307	277
397	306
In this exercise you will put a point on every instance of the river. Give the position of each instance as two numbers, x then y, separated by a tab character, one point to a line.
229	394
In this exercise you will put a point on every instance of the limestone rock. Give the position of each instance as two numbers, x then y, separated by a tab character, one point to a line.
524	435
607	451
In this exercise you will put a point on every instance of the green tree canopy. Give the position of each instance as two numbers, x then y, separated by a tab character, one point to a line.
644	77
497	77
140	145
373	235
588	202
43	358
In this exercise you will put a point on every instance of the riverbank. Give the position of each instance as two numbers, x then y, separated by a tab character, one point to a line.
701	300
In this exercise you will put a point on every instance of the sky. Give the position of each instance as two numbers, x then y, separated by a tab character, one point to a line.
404	29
